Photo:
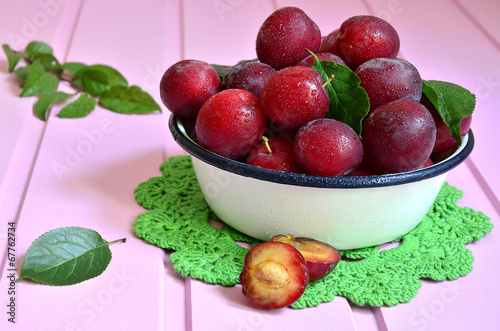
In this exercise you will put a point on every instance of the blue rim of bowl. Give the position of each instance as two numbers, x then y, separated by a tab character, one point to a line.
180	136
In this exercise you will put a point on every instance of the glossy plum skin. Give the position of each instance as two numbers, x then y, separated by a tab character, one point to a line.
329	43
386	80
285	36
249	76
398	136
274	275
276	131
186	85
364	37
231	123
444	140
362	170
427	163
308	61
293	96
281	157
327	147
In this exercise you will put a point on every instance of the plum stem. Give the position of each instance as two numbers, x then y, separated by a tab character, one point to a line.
120	241
328	81
266	142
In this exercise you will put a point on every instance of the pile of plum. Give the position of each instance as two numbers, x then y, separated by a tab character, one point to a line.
271	112
274	112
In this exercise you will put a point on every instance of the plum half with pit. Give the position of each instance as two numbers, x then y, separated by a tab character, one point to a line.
274	275
285	36
294	96
186	85
327	147
398	136
321	258
231	123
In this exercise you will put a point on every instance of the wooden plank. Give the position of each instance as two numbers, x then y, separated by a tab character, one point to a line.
22	22
483	13
225	308
176	304
367	318
96	192
176	297
21	131
222	31
85	175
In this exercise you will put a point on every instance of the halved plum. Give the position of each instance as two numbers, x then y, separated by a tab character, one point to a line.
274	275
321	258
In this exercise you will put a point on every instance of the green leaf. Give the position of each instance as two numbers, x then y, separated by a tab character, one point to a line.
94	82
38	81
128	100
222	69
453	102
66	256
46	101
349	102
73	67
21	73
37	47
12	57
81	107
49	62
96	79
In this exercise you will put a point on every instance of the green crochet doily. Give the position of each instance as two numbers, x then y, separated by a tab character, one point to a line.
178	220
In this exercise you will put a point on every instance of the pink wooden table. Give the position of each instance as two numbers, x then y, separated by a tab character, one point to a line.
453	40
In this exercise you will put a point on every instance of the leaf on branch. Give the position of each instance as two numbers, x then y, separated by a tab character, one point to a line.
94	82
13	58
46	101
49	62
128	100
39	81
43	72
35	48
81	107
96	79
21	73
73	67
66	256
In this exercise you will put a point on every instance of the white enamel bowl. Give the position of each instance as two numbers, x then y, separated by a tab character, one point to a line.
346	212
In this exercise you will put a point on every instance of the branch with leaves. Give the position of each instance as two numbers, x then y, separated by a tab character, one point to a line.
93	84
